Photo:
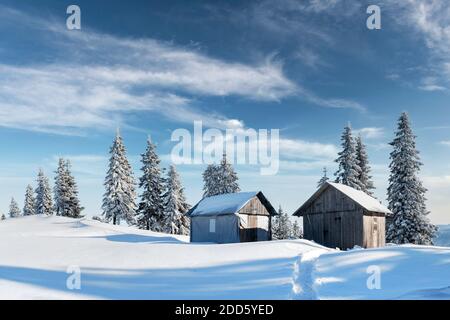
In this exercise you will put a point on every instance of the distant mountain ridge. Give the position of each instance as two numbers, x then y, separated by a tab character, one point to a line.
443	236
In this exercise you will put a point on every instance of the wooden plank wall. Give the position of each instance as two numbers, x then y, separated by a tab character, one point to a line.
334	220
254	206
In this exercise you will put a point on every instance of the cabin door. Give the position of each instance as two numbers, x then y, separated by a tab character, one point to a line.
252	228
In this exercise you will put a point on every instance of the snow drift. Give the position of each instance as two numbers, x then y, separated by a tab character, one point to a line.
120	262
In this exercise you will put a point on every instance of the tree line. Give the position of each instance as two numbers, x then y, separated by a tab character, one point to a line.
408	222
162	204
39	201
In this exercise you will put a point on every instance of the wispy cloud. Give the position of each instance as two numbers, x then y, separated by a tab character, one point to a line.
445	143
93	84
370	132
430	20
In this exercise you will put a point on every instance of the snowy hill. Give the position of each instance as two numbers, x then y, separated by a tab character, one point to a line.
119	262
443	236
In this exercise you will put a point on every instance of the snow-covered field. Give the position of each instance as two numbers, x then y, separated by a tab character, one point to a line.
119	262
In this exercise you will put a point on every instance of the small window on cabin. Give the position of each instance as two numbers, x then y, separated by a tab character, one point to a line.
212	225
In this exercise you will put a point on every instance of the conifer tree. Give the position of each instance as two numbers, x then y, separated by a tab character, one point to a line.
175	205
60	190
406	195
281	226
44	202
296	231
14	210
324	179
119	198
3	217
349	170
364	177
151	208
220	179
29	202
210	181
72	202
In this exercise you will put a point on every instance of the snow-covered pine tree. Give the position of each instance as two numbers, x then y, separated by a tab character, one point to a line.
220	179
119	198
364	177
324	179
348	172
175	205
281	226
210	181
72	203
296	232
151	207
29	202
3	217
228	179
14	210
406	195
44	202
60	190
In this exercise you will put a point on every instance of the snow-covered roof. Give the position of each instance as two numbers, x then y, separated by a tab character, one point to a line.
229	203
363	199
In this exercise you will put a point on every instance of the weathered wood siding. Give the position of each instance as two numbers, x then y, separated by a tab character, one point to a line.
336	221
374	231
255	229
254	206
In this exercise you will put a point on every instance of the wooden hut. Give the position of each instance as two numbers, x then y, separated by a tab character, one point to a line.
339	216
233	217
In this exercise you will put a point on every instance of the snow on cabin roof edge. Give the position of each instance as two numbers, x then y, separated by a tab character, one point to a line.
369	203
223	204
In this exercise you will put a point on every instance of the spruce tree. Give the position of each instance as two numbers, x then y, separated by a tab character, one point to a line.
296	232
210	181
364	177
60	190
281	226
175	205
119	198
324	179
220	179
406	195
29	202
44	202
349	170
72	203
151	208
14	210
3	217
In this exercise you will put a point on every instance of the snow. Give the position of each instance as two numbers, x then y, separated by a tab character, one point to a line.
222	204
407	272
119	262
367	202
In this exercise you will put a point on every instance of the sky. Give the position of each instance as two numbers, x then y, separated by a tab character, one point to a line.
307	68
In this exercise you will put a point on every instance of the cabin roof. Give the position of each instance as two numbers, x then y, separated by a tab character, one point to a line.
229	203
364	200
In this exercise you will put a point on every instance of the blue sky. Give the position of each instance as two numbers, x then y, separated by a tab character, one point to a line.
304	67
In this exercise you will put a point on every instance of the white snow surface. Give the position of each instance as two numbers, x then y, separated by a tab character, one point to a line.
119	262
228	203
363	199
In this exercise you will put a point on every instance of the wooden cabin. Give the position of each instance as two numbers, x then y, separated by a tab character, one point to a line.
338	216
233	217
